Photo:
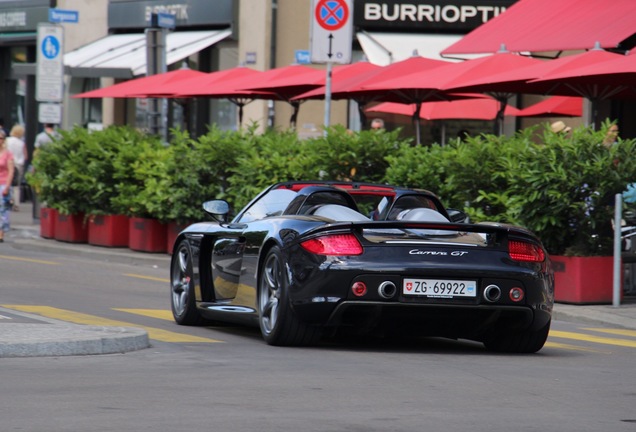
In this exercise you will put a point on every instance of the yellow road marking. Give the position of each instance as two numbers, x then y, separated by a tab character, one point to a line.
161	314
620	332
573	347
80	318
36	261
147	277
591	338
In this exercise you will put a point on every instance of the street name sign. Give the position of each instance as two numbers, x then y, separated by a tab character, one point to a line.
166	20
63	16
302	57
331	31
49	80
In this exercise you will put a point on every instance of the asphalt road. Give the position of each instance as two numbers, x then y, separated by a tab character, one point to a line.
228	379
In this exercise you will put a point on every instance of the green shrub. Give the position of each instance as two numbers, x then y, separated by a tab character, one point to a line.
562	189
565	191
200	170
63	175
343	155
141	176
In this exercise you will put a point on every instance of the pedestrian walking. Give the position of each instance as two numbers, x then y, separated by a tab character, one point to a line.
17	147
46	136
6	175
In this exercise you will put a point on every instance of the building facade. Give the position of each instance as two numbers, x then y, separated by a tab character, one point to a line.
212	35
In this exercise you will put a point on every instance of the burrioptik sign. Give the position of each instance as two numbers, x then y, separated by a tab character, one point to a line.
458	16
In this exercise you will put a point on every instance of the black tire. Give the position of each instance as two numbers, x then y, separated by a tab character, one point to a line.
523	342
278	322
182	298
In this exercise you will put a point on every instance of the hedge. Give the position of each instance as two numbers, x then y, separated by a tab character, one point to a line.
561	188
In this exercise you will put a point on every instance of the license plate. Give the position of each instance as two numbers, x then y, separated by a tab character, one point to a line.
439	288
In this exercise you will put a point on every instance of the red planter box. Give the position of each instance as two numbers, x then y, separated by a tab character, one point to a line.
147	235
48	217
108	230
71	228
584	280
174	229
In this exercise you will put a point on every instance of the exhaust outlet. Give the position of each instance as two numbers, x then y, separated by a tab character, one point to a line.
492	293
387	289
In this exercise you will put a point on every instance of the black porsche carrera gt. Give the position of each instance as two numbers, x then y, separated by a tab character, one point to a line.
306	258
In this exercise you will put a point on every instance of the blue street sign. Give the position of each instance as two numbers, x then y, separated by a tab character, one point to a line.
63	16
166	20
303	57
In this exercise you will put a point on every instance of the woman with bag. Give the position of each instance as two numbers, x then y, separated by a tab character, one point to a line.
6	176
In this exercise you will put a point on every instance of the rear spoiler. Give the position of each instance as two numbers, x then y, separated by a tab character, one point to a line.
485	228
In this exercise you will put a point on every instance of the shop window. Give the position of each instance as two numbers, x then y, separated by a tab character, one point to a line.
91	107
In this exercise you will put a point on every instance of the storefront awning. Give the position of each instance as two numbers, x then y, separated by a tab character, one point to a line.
386	48
124	55
548	25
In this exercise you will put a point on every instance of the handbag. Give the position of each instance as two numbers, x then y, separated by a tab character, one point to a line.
16	178
7	201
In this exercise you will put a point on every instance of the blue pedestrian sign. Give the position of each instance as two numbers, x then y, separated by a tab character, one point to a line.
50	47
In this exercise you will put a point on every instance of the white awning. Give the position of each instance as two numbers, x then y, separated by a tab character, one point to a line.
386	48
124	55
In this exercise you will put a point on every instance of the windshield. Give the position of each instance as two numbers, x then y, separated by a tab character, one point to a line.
271	204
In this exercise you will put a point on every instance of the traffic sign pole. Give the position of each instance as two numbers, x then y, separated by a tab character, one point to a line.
50	67
328	96
330	39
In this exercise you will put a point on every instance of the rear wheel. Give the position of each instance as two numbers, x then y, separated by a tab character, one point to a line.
278	322
527	341
182	298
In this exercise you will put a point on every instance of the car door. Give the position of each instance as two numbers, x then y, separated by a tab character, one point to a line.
227	261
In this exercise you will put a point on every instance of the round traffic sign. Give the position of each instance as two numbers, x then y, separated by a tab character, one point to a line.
332	14
50	47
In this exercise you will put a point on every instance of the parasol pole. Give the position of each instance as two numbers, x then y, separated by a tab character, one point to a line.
416	121
499	119
294	117
328	97
443	133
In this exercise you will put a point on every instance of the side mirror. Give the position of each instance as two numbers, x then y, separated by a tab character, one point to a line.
218	209
457	216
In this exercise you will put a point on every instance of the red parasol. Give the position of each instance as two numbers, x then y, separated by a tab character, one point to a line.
549	25
555	106
443	80
520	80
531	79
343	78
354	87
198	85
139	87
237	85
480	108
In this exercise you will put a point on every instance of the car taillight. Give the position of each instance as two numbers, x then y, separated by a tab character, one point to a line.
524	251
337	244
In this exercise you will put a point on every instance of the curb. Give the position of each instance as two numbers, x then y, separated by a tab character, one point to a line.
39	336
36	340
623	317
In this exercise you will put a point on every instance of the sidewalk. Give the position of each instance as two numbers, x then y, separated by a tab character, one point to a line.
26	335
